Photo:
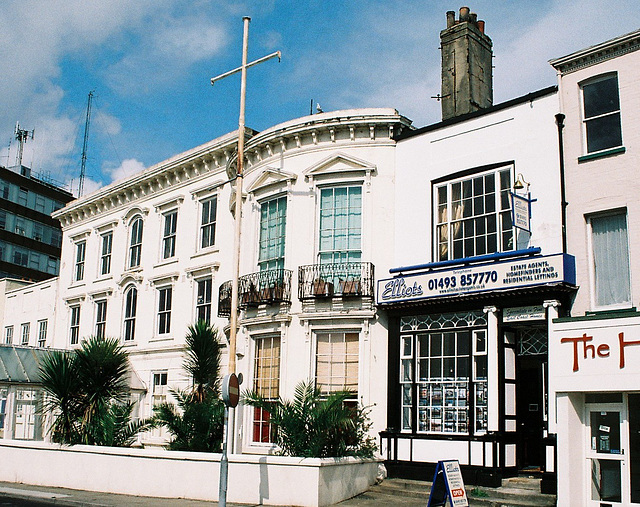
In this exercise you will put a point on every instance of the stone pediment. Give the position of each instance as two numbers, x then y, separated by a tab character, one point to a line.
270	177
340	164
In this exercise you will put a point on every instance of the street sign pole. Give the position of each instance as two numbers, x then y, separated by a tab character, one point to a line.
230	397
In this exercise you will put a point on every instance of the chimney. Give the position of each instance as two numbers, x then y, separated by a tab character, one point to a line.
467	83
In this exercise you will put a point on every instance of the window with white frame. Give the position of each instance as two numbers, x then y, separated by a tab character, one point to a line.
74	325
340	225
26	330
135	242
130	309
266	382
159	388
164	310
337	356
273	221
169	234
81	248
208	222
8	335
443	374
473	215
203	301
42	332
610	260
101	319
4	393
601	113
106	240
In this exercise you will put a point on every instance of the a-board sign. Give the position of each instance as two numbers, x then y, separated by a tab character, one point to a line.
230	390
448	485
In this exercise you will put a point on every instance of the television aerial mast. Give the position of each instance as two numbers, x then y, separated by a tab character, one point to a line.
21	136
83	164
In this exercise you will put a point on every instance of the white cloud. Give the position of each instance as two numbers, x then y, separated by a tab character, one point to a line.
129	167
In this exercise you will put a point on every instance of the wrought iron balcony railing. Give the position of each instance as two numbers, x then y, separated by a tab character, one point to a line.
264	287
336	280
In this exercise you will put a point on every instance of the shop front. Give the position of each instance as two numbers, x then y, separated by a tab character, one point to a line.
468	364
595	381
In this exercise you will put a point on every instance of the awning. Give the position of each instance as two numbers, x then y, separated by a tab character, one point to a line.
20	364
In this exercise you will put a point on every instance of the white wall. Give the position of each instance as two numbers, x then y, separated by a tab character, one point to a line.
525	133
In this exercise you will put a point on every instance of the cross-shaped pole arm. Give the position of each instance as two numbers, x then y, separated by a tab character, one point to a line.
251	64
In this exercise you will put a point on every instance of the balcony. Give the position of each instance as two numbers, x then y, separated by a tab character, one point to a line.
347	279
264	287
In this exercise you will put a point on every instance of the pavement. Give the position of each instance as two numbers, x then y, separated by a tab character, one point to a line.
23	495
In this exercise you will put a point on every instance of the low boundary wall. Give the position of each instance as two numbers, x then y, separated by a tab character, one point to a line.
254	479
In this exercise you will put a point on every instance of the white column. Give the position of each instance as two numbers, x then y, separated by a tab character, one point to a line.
552	307
493	398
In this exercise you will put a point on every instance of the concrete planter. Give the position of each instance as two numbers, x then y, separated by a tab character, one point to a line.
268	480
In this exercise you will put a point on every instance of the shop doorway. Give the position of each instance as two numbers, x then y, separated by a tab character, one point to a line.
531	368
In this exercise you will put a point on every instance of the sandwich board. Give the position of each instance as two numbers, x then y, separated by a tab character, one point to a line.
448	485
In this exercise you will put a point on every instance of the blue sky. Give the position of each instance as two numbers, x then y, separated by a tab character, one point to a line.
149	63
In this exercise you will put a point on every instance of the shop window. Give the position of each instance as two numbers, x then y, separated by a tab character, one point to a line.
337	356
601	113
340	225
74	325
169	234
81	248
101	319
164	310
130	309
273	220
8	335
610	260
105	253
208	222
266	379
473	216
25	331
203	302
42	332
443	374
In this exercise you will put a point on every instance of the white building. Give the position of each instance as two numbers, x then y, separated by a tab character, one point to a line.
144	258
594	354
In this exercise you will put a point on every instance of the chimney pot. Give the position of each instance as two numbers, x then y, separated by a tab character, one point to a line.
481	26
473	17
464	14
451	18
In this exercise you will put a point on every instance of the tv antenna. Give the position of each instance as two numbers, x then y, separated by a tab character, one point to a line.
22	136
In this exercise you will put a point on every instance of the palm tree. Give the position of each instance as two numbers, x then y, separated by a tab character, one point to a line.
313	425
87	394
196	422
59	377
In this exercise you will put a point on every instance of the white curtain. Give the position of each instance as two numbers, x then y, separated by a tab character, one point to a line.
611	260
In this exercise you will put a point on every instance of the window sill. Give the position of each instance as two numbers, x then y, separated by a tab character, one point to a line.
75	285
129	343
601	154
205	251
157	339
166	262
103	278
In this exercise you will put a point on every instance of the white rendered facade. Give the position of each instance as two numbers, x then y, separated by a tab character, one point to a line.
594	355
482	402
144	258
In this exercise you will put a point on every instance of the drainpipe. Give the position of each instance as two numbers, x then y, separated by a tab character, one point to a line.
563	196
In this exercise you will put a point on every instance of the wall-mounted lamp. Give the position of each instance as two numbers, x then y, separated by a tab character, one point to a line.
520	183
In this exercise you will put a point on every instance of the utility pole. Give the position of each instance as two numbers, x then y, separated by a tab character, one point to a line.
233	318
83	165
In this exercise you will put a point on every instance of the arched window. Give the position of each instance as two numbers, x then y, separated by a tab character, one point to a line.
135	242
130	304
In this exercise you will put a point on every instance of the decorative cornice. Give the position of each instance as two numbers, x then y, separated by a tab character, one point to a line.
597	54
